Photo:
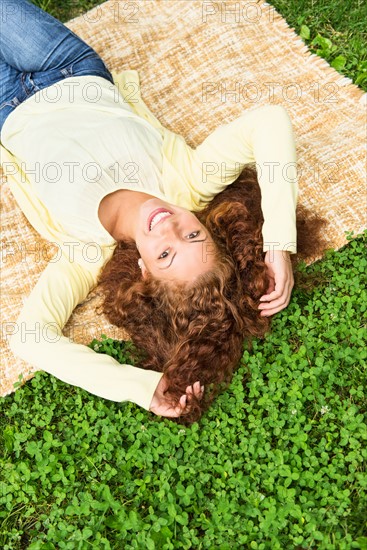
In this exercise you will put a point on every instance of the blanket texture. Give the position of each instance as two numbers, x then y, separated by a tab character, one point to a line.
201	64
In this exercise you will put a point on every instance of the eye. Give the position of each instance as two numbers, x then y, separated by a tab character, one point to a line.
193	235
163	255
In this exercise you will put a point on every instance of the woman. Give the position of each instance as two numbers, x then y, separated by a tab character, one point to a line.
91	166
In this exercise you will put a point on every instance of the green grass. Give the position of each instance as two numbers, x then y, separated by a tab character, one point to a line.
66	9
278	462
336	30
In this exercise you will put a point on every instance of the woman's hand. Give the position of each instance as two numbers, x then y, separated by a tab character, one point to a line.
281	283
159	403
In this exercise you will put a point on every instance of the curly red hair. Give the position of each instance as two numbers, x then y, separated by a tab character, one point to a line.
197	331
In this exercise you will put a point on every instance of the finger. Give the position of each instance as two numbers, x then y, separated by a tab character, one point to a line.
275	294
194	389
269	312
172	412
189	393
180	409
275	303
270	299
271	286
283	301
183	401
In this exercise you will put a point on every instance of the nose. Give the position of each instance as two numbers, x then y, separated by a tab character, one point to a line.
169	227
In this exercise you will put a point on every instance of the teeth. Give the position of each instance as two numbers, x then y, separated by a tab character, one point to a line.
157	218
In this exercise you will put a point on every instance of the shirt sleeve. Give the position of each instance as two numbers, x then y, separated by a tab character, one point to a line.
263	136
39	341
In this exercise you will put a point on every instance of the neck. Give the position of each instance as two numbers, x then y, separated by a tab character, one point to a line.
118	212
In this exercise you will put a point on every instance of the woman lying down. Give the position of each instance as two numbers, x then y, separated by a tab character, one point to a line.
197	246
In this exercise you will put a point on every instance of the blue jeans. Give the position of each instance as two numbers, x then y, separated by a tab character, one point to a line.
36	51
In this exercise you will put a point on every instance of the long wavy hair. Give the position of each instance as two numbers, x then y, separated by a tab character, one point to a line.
198	331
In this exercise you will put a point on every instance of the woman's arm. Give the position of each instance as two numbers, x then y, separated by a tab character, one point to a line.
40	342
263	136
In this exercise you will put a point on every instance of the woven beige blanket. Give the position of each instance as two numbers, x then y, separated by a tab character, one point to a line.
202	63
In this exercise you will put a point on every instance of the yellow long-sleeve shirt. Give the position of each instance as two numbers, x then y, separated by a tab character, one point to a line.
71	144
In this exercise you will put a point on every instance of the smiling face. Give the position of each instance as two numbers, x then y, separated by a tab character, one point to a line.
172	243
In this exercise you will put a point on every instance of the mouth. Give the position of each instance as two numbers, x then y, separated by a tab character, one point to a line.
157	216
